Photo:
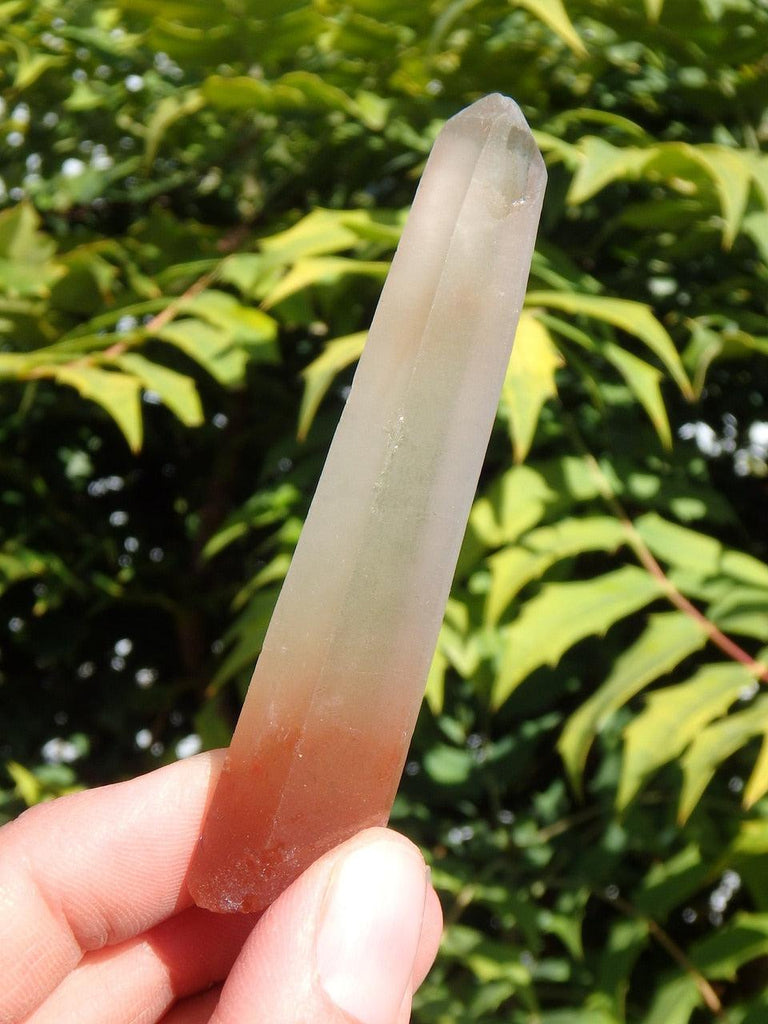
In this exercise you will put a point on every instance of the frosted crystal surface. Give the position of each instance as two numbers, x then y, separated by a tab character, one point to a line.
324	731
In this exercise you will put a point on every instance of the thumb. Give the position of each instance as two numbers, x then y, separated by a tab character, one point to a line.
349	941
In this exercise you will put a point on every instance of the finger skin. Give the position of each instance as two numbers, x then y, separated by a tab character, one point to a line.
195	1010
92	870
140	979
98	870
277	977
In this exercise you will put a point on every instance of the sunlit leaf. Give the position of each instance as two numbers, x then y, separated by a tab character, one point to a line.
177	391
757	785
635	318
529	381
667	640
27	267
434	692
561	615
715	744
674	1001
31	66
168	111
745	568
337	355
644	381
117	393
245	635
212	348
742	939
554	14
322	270
320	233
669	882
601	164
742	610
732	175
28	787
672	718
516	503
249	327
515	566
679	545
653	9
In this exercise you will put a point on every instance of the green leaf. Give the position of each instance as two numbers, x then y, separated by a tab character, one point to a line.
732	175
742	610
704	347
211	347
744	568
246	326
241	92
714	745
667	640
448	766
27	786
738	942
672	718
679	545
757	786
600	164
605	118
626	941
758	163
244	270
321	372
322	270
295	90
755	225
169	110
670	881
177	391
30	66
264	508
246	635
320	233
635	318
554	14
513	567
674	1001
10	8
529	381
653	9
516	503
319	93
117	393
27	268
643	379
434	692
18	564
564	613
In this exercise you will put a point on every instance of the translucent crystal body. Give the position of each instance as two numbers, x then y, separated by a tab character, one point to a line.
321	741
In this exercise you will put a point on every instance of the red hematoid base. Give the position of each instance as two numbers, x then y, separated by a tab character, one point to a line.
277	813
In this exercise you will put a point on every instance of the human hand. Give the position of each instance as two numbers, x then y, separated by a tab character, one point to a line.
97	926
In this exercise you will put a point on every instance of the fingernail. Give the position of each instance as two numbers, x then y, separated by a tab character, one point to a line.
370	930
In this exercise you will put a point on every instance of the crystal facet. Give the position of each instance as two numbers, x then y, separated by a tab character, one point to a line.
323	735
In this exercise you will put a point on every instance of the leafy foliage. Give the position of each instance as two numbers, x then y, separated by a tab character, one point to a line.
191	246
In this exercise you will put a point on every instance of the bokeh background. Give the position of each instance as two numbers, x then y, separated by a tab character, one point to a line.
198	203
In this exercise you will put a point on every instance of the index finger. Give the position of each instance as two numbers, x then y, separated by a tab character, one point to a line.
94	869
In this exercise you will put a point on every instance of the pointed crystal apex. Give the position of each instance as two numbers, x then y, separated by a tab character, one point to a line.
509	162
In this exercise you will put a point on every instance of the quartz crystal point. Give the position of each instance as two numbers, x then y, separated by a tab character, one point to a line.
323	735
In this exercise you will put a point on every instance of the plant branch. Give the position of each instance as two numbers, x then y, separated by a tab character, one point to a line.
167	314
665	940
649	562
